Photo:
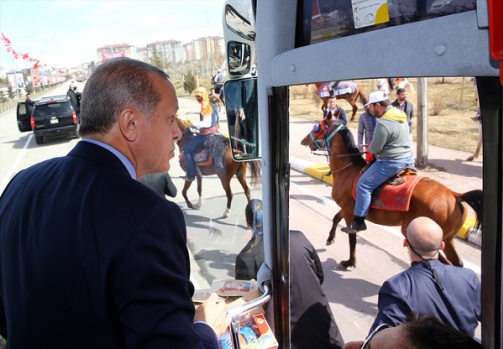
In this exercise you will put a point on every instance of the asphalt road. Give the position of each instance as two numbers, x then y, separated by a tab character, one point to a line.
214	241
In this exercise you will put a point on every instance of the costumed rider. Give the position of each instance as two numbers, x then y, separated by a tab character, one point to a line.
207	125
392	149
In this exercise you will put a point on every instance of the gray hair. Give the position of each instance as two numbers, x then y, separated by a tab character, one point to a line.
115	85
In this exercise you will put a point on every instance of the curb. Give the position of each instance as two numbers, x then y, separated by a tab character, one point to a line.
467	232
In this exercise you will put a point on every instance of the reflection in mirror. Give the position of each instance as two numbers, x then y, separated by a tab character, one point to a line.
239	24
242	118
238	56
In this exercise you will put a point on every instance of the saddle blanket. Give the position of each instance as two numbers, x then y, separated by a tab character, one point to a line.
336	88
213	150
392	197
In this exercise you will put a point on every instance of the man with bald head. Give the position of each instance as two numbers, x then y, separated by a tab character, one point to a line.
451	294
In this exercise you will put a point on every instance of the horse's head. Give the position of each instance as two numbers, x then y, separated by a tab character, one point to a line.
187	134
317	138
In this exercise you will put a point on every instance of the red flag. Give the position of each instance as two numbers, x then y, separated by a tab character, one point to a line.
5	40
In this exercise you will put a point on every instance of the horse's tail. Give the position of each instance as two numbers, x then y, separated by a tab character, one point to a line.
363	97
475	199
256	172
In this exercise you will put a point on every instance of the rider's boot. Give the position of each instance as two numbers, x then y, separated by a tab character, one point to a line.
357	225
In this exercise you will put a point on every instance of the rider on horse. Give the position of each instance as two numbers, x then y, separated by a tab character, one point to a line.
207	125
392	148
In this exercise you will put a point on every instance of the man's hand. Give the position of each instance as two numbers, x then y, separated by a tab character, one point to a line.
212	311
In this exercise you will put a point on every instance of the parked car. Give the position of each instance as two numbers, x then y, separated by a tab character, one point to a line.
53	117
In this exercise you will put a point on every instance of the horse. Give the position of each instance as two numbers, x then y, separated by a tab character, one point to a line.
429	198
231	168
351	97
388	85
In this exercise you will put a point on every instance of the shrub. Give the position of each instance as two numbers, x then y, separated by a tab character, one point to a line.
189	83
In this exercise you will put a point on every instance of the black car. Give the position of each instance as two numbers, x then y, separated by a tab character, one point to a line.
53	117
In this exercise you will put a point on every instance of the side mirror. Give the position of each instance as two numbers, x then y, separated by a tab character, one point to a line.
238	24
242	118
238	58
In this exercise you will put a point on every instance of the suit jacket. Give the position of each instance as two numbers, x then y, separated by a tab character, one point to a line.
408	109
250	259
415	289
311	320
161	183
342	115
91	258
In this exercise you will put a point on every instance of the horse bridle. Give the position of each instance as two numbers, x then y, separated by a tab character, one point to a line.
326	148
326	140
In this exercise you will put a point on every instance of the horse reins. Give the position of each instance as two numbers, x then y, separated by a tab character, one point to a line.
326	140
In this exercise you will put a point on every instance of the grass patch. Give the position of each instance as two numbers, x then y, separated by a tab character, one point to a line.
451	104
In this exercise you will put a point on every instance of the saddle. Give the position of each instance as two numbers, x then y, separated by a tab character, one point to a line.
213	150
395	193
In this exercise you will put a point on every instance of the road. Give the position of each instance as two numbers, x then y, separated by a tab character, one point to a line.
214	241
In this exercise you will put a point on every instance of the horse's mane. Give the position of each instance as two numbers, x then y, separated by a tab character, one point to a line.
182	123
349	143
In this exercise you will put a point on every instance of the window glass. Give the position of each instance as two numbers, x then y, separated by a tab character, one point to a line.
332	19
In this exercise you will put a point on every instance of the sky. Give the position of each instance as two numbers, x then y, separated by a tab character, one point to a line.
67	33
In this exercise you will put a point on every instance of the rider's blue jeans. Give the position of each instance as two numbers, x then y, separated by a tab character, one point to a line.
195	145
378	173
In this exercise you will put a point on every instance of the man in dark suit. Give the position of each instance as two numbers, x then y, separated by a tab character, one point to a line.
311	320
449	293
404	105
29	105
90	257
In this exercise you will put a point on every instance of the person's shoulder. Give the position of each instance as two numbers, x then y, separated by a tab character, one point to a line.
404	277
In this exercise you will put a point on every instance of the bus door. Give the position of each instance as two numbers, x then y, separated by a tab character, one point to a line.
309	41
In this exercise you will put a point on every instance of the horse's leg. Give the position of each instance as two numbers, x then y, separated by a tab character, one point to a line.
200	192
241	176
355	109
331	235
226	184
186	187
351	262
410	86
451	254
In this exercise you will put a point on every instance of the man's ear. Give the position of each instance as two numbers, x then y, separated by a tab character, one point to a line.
128	123
442	246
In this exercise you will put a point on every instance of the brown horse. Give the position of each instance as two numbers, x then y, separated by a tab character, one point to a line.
429	197
230	169
350	97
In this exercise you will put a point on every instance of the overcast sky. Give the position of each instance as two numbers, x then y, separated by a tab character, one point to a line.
67	33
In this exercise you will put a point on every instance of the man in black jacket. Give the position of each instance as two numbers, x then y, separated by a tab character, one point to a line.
404	105
29	105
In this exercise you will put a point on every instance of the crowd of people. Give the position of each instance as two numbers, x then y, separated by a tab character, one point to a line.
112	269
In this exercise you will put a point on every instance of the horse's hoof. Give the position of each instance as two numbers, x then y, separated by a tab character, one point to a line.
330	242
227	213
344	265
470	158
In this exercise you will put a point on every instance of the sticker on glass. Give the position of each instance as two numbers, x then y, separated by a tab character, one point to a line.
369	12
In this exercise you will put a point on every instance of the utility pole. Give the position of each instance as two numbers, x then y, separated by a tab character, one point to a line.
422	123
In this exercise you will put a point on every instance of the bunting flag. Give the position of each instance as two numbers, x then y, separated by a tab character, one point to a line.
25	57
